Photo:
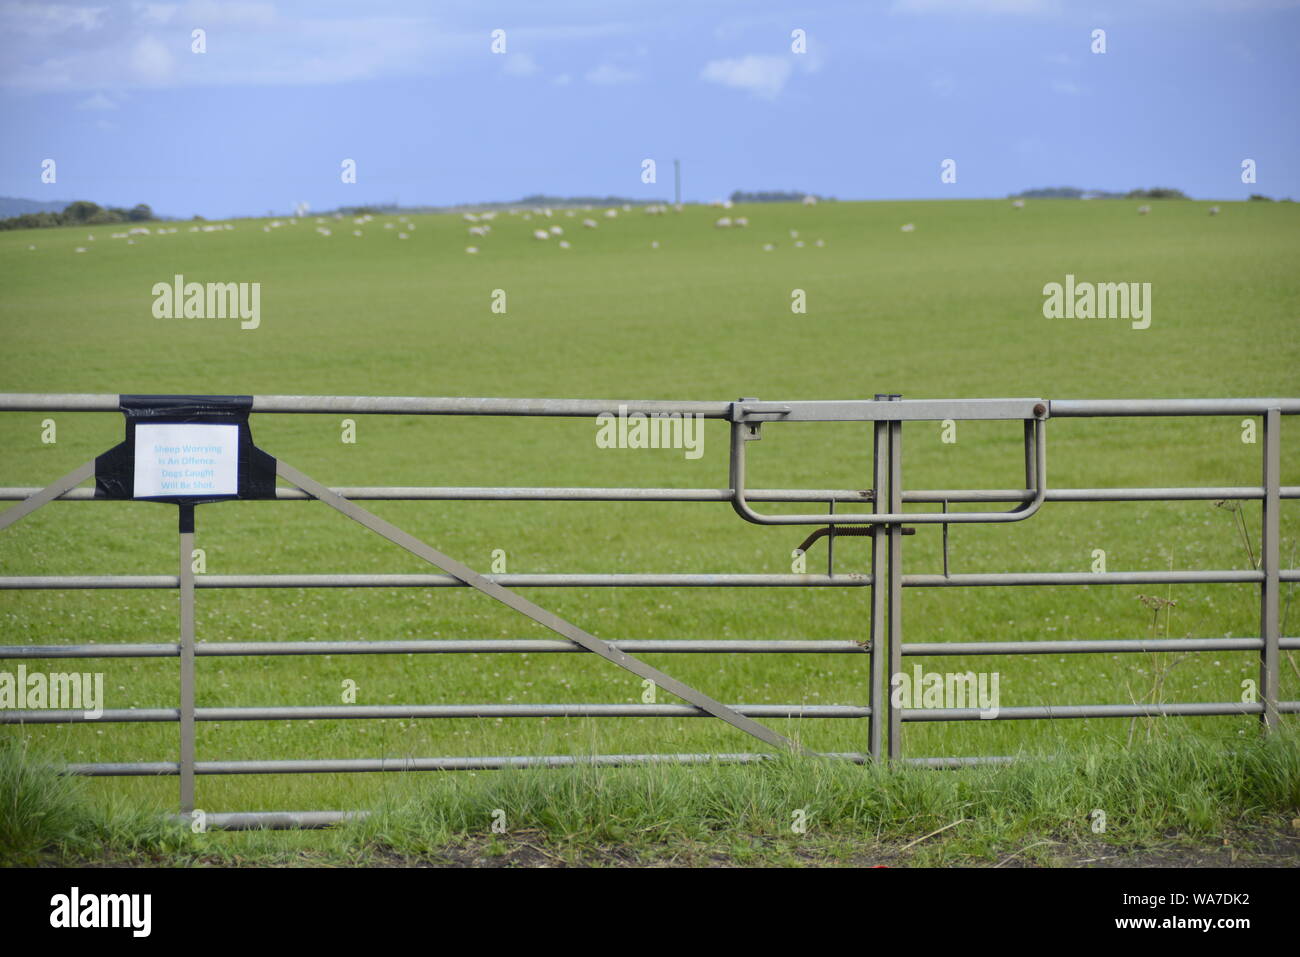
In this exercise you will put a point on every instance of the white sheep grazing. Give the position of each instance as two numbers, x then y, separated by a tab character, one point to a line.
590	223
356	232
723	223
741	221
794	234
470	218
810	200
557	230
907	227
80	249
820	243
471	249
768	247
611	213
1214	210
1143	210
564	244
654	244
477	231
541	234
1017	204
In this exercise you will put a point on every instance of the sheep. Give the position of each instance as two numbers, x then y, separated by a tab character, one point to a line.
470	218
741	221
798	244
794	234
471	249
820	243
557	230
611	213
654	244
564	244
590	223
1214	210
768	247
356	232
1017	204
1143	210
403	236
541	234
80	249
723	223
907	227
810	200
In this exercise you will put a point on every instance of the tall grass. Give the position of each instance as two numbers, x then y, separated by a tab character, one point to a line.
1176	787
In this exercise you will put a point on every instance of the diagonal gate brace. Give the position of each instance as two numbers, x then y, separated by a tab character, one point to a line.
530	610
48	494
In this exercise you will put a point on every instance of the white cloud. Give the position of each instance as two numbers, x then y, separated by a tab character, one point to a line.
764	76
155	12
943	85
49	19
151	62
608	75
974	6
520	64
97	102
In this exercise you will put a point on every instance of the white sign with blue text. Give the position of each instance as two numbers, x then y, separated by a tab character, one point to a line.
179	460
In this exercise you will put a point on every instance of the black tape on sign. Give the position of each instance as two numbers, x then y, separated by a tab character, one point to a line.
115	469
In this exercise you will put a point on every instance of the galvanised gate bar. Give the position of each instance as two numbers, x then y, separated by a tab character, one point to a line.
877	512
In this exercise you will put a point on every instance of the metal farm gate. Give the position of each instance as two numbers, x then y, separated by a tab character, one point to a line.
876	511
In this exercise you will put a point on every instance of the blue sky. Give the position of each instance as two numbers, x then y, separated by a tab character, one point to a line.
585	91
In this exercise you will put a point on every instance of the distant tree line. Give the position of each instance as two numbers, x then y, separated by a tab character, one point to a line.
770	196
80	213
1073	192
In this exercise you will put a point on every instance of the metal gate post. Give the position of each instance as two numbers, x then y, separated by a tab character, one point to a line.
895	431
879	698
1269	559
187	657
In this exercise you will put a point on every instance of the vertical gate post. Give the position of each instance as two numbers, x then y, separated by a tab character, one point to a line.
186	522
895	430
1269	559
1031	455
879	703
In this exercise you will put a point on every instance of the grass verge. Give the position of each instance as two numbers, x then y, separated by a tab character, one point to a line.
1047	808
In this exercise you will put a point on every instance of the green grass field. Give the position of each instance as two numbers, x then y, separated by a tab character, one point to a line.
953	309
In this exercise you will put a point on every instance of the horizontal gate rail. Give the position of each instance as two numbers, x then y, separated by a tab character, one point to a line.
232	649
357	712
745	419
127	582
